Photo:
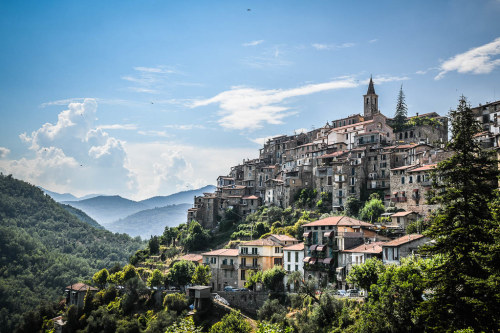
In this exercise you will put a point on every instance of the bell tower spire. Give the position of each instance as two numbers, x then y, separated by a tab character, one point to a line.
370	101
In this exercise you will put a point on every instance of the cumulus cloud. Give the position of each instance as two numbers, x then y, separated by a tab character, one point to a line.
321	47
250	108
74	154
165	167
253	43
4	152
186	127
479	60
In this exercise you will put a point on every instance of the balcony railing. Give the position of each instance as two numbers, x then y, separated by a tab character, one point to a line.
249	254
228	267
250	266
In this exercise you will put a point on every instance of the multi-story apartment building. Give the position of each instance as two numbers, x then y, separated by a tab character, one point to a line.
356	256
402	247
257	255
224	267
323	239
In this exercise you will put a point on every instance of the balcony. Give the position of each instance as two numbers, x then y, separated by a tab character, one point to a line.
228	267
249	254
250	266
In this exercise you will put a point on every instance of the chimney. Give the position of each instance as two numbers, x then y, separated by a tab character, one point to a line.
417	114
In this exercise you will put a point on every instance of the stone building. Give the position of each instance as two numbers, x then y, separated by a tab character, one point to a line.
356	256
224	266
402	247
75	293
323	239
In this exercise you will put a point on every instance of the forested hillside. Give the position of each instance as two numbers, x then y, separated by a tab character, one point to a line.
44	248
82	216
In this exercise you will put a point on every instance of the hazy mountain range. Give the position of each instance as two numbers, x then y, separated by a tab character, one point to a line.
136	218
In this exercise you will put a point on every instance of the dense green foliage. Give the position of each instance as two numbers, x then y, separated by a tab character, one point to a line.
372	209
44	248
181	273
401	111
465	284
202	275
231	323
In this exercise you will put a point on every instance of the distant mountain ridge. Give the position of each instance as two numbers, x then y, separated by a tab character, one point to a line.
107	209
60	197
138	218
149	222
177	198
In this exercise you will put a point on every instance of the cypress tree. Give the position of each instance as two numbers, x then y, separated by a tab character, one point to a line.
464	289
401	111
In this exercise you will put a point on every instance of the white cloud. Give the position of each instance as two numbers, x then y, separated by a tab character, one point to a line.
319	46
270	57
300	130
158	70
4	152
162	134
479	60
74	155
66	101
165	167
119	127
186	127
253	43
262	141
385	78
373	40
249	108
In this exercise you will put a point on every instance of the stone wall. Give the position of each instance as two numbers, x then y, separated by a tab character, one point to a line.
247	301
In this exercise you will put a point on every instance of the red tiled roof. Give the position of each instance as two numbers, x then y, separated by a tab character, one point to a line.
295	247
399	214
366	122
424	168
250	197
339	221
404	167
261	242
80	287
403	240
375	247
222	252
191	257
283	237
335	154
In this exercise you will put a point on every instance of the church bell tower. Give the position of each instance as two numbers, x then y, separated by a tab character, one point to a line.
370	101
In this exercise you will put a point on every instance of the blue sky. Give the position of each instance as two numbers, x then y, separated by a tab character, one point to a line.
143	98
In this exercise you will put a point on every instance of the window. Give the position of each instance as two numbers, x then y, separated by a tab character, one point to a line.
276	250
402	180
353	170
288	268
418	178
254	250
410	180
289	256
296	257
244	250
243	261
243	275
255	262
231	262
296	267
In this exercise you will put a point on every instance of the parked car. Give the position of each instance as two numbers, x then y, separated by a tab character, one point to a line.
229	288
352	293
244	289
340	292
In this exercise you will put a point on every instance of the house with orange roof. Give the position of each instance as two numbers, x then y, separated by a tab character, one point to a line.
75	293
224	267
323	239
258	255
402	219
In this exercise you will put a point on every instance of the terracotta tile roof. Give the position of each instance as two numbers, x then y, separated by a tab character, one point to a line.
398	214
250	197
222	252
295	247
191	257
335	154
235	196
404	167
424	168
80	287
403	240
375	247
353	125
283	237
339	221
260	242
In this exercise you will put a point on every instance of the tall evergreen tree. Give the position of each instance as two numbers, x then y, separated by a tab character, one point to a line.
401	111
464	291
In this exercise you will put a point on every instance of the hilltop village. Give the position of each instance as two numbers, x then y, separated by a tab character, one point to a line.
351	157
